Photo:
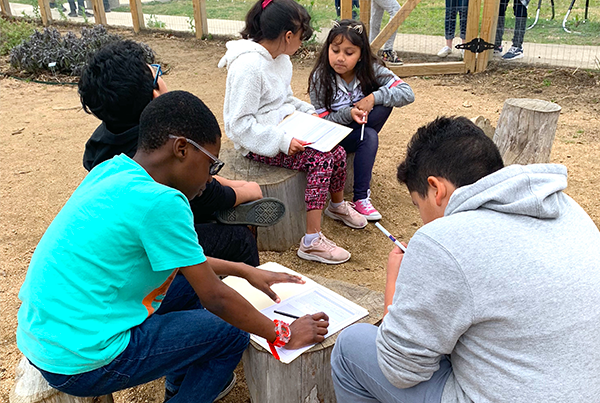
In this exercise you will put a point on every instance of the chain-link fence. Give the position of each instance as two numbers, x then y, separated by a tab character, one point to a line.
549	32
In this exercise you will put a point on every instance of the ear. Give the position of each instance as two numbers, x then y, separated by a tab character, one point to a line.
155	94
440	187
288	36
180	148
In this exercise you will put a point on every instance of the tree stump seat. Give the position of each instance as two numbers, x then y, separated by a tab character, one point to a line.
307	379
285	184
31	387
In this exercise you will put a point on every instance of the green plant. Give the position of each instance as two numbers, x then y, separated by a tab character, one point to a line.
191	22
12	33
59	8
154	22
314	22
546	82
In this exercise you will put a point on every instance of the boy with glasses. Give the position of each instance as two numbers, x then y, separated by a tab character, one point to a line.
102	307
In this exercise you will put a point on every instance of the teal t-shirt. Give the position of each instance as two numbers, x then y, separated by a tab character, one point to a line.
102	267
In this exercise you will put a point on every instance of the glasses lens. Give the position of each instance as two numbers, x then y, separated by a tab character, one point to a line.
215	167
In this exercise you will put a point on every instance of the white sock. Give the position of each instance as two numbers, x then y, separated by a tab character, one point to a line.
308	238
335	205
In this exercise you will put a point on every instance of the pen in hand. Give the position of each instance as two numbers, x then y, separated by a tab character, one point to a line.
362	129
386	233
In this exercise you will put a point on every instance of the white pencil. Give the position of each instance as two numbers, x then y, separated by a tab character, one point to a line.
386	233
362	129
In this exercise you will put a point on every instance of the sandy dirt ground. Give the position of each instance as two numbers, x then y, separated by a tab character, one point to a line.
43	131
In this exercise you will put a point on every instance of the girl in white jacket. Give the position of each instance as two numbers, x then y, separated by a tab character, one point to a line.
259	96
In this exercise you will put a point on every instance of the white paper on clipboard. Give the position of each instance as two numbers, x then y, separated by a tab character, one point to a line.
322	134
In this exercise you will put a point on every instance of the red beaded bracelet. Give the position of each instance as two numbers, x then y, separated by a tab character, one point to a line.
282	330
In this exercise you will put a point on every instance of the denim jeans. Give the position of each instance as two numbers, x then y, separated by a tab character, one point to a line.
366	150
196	350
452	7
357	377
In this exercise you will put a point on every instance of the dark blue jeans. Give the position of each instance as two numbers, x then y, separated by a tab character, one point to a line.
366	150
196	350
452	7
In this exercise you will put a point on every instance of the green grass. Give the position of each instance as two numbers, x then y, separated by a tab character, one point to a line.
12	33
426	19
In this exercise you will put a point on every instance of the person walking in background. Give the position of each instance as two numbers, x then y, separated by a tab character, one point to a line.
452	7
520	10
387	54
338	9
74	12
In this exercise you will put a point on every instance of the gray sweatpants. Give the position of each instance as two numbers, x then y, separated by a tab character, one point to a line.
377	9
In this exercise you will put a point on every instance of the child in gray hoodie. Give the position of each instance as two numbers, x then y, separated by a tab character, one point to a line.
496	298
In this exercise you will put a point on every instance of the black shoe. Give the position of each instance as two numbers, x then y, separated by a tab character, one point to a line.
72	14
261	213
391	58
81	13
107	10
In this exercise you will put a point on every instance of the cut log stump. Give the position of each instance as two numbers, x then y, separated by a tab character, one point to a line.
525	131
307	379
285	184
31	387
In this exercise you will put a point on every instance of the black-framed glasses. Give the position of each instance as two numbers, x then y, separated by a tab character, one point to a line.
215	166
157	73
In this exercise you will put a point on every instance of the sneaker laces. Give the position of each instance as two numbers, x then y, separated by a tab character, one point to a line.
366	204
329	244
513	49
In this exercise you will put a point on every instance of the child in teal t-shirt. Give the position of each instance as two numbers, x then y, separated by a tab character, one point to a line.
103	307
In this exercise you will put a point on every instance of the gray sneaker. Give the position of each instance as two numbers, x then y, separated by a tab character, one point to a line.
513	53
323	250
347	214
260	213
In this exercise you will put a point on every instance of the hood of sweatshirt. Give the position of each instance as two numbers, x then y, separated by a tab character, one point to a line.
242	46
530	190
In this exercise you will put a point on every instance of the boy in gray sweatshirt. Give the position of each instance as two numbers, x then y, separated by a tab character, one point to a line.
496	298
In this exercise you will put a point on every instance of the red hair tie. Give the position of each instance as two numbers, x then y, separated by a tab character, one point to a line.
265	3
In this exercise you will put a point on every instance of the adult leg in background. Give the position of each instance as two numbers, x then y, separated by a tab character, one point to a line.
500	26
377	8
357	377
366	150
520	10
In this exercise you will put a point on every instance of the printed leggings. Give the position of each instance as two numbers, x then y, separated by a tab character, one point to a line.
452	7
325	172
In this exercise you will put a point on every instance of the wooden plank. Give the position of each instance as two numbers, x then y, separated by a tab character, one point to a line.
426	69
137	15
489	20
365	13
5	5
346	9
45	12
472	33
200	18
393	25
99	14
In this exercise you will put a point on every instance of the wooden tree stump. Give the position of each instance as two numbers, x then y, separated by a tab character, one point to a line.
307	379
526	130
285	184
31	387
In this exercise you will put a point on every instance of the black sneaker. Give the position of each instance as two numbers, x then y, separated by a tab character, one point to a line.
72	14
82	13
391	58
513	53
261	213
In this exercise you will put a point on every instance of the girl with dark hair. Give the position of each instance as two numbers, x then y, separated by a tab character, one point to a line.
349	85
258	97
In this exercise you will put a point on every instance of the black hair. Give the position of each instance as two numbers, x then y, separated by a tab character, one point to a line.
177	113
322	77
453	148
276	18
116	85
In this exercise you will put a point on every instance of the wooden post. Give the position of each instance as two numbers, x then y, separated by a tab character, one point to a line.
99	14
346	9
393	24
425	69
137	15
5	5
489	21
45	12
472	33
31	387
200	18
268	380
526	130
365	14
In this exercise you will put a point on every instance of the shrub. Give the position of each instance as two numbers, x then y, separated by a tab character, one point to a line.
12	33
49	51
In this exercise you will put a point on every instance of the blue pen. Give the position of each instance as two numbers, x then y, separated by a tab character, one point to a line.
386	233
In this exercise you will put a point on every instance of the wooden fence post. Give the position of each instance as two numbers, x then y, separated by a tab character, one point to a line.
345	9
137	15
526	130
489	21
5	8
472	33
365	14
45	12
393	25
200	18
99	14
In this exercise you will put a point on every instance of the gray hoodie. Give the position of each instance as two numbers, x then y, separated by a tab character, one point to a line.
508	284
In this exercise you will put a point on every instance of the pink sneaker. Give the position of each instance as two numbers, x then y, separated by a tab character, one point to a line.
323	250
364	207
347	214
